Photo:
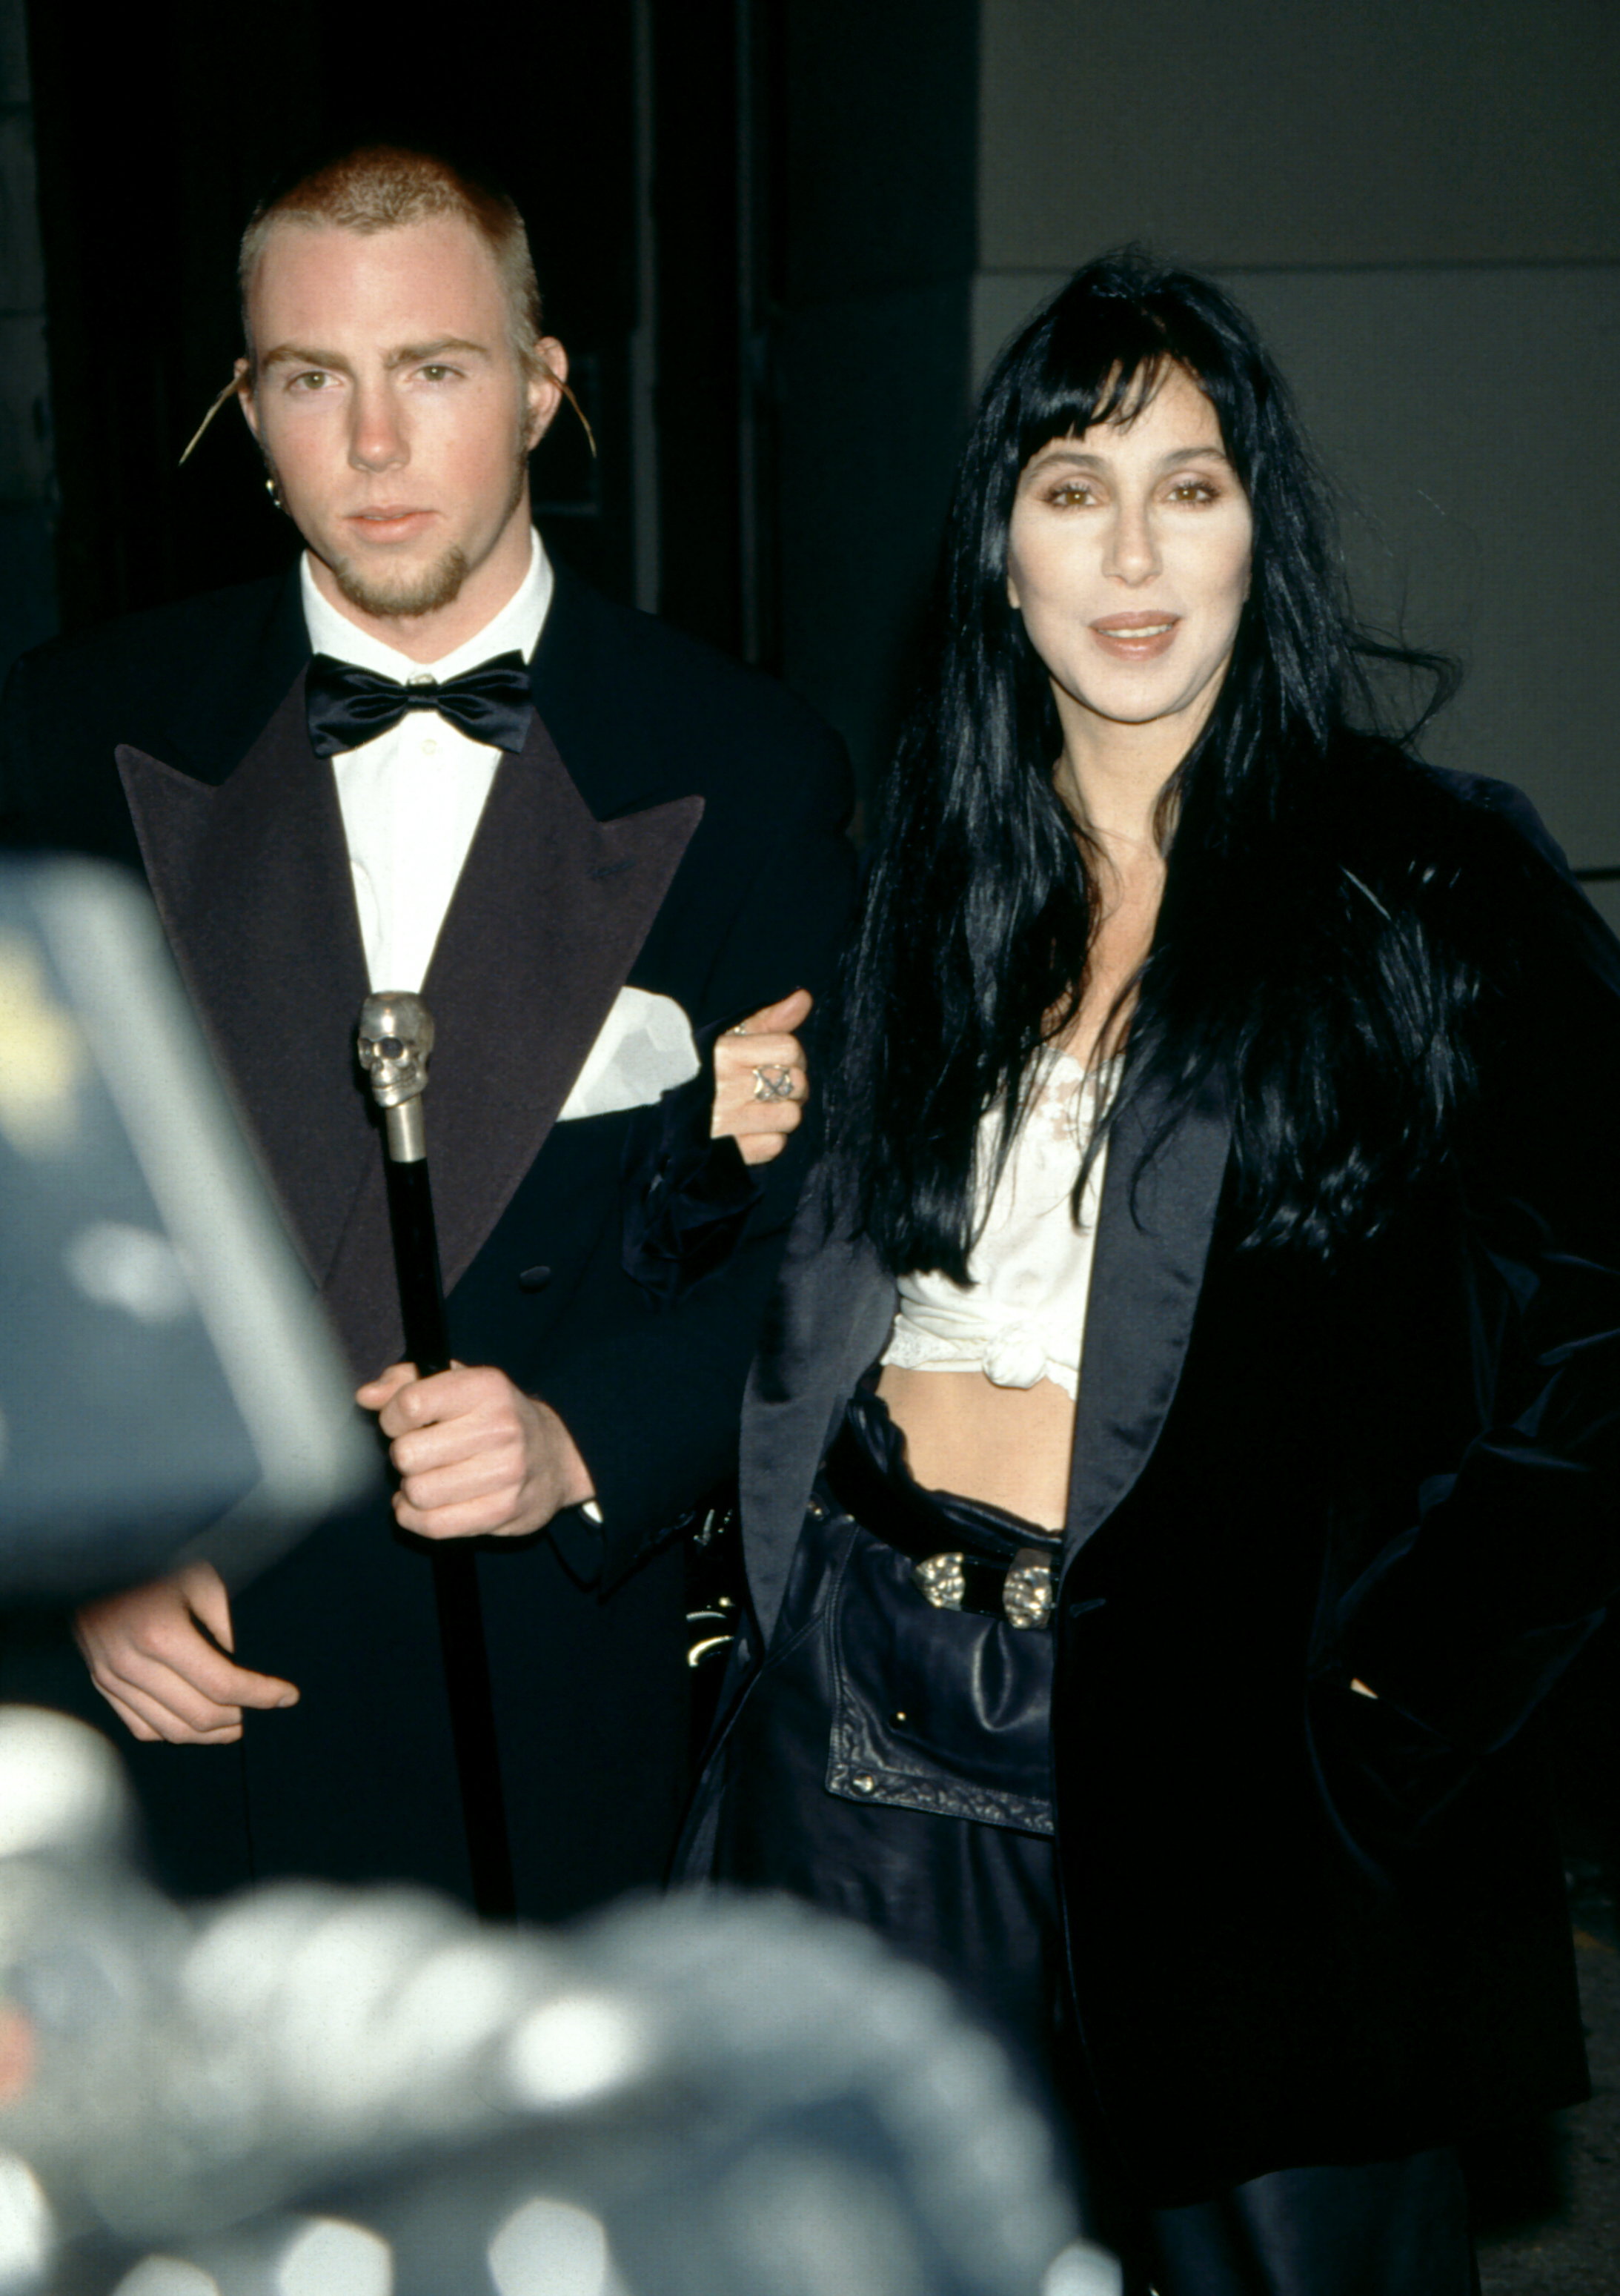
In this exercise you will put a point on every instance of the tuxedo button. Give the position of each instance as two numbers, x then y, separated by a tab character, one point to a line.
429	747
533	1279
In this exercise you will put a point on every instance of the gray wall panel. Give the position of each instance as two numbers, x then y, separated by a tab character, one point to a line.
1469	416
1300	131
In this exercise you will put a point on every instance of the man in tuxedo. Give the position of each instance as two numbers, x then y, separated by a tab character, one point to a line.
427	758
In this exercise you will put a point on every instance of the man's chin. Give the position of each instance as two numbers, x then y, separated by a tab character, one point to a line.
402	595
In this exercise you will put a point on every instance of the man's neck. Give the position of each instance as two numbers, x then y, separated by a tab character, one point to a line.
431	637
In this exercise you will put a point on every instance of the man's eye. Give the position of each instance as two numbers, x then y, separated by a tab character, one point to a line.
437	374
312	381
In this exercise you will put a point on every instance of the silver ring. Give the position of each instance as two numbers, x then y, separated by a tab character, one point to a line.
773	1084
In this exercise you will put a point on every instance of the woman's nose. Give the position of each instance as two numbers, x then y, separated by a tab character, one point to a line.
1132	551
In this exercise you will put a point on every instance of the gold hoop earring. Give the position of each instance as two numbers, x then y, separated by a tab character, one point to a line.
551	376
196	436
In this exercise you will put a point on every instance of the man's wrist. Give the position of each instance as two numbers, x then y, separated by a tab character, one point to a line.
577	1487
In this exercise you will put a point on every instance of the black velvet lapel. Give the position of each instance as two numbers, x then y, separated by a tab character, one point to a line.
550	911
253	883
1153	1238
827	1322
834	1304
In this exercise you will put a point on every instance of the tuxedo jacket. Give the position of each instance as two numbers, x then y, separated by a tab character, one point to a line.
1302	1925
674	824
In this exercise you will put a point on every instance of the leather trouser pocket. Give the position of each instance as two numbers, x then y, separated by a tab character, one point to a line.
938	1710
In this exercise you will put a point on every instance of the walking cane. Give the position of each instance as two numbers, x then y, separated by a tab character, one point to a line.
396	1037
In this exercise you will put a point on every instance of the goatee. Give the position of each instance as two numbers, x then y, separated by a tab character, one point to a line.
405	596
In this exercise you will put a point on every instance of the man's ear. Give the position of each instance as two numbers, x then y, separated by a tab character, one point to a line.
244	395
544	389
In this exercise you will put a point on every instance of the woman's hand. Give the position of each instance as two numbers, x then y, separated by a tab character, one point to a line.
760	1081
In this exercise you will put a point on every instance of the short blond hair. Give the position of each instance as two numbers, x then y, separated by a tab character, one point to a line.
384	187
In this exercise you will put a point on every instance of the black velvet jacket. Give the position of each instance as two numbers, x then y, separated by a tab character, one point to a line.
673	823
1303	1925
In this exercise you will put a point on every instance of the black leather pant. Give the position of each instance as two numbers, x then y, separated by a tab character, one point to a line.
891	1762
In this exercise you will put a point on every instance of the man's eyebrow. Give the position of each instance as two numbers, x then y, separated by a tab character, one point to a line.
295	355
408	354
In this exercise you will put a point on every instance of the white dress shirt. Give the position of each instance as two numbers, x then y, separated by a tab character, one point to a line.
411	797
411	800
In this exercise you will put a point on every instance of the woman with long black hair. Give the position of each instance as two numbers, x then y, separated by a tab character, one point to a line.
1184	1449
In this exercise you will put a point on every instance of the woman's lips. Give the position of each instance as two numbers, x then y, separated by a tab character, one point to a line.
1135	638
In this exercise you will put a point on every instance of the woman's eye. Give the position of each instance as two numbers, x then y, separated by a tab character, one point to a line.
1074	490
1193	490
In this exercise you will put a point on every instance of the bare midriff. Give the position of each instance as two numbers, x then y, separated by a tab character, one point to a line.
1005	1446
1011	1447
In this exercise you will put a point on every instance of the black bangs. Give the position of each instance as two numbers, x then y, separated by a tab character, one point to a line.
1069	406
1101	348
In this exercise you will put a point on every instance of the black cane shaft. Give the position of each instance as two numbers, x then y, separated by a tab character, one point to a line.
472	1727
456	1583
421	1291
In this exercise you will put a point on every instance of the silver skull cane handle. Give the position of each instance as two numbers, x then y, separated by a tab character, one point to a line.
395	1039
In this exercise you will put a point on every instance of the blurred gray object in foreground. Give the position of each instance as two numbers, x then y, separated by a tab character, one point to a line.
310	2091
162	1361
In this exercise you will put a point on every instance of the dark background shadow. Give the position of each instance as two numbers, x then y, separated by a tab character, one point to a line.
149	166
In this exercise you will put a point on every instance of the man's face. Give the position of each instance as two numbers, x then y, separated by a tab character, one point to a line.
397	420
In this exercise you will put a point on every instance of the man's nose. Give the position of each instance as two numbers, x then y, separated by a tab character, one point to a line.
377	436
1132	551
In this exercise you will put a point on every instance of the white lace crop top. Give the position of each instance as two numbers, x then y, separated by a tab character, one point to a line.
1021	1317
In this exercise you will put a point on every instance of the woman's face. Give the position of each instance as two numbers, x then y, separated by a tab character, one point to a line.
1128	558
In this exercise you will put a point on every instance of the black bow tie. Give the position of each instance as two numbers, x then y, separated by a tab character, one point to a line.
349	706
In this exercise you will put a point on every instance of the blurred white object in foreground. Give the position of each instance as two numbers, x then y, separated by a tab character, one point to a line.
310	2091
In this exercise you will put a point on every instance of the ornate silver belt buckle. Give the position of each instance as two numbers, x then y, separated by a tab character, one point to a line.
1028	1598
941	1579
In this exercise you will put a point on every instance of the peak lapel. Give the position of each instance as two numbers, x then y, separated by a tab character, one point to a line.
1152	1242
549	915
825	1325
252	882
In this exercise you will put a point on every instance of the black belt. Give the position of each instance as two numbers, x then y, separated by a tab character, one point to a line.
1014	1581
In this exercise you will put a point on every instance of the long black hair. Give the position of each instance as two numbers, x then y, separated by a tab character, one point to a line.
1279	965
